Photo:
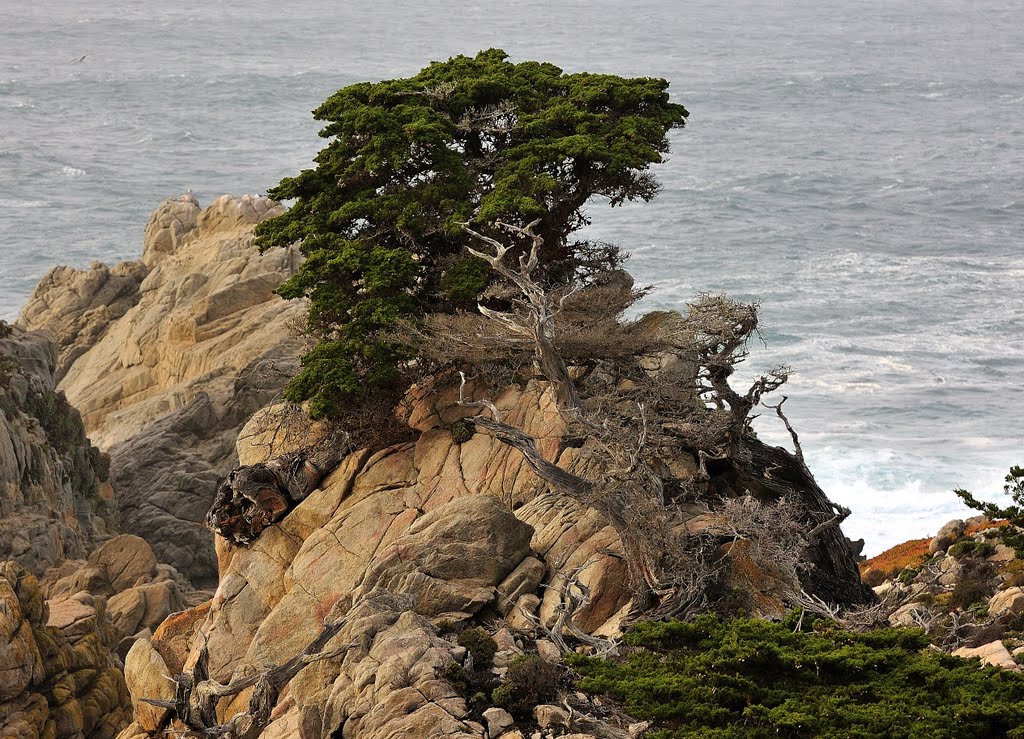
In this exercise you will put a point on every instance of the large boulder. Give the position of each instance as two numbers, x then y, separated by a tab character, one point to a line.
1009	602
191	342
993	653
140	592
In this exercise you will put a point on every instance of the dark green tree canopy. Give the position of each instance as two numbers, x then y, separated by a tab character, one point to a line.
477	140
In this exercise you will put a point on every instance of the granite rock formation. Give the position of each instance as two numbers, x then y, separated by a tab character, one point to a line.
167	357
59	675
140	592
55	500
393	543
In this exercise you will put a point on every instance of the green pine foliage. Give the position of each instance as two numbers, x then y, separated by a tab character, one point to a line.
1012	535
472	139
480	645
754	678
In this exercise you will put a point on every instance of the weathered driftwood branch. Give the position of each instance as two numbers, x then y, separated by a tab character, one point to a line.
196	695
252	497
670	571
629	495
573	596
542	309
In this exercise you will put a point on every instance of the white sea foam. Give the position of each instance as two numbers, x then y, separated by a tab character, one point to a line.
15	203
72	171
788	212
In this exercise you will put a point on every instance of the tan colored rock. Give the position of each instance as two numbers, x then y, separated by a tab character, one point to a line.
549	651
139	592
20	662
993	653
523	614
145	673
133	731
451	559
144	606
277	430
552	718
1002	553
498	721
127	560
396	541
904	615
947	535
168	227
195	343
76	307
525	578
188	321
59	675
1007	602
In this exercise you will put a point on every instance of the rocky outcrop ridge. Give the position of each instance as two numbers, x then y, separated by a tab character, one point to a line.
963	586
167	357
392	544
59	675
140	592
55	501
395	541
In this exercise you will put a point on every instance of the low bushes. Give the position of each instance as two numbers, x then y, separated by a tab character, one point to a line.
754	678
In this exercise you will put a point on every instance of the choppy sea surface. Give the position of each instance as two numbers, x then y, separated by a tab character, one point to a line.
856	166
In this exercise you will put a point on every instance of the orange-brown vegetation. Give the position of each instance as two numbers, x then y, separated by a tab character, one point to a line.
910	554
974	528
892	561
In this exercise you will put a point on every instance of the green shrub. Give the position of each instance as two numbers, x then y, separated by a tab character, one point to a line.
480	645
456	674
754	678
530	681
907	576
974	584
971	548
462	431
61	423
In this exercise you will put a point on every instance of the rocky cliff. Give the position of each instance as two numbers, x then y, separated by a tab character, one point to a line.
355	588
55	498
167	357
448	530
393	543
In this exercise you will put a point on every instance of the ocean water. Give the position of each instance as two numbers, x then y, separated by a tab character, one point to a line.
856	166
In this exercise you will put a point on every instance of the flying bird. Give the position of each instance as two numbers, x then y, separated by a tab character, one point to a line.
76	61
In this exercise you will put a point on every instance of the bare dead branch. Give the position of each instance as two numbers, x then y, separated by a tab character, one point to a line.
197	695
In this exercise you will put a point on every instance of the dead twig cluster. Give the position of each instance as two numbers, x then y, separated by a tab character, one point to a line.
666	393
196	694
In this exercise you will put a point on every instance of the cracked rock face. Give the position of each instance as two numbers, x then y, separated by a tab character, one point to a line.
167	357
140	592
397	540
59	676
55	500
